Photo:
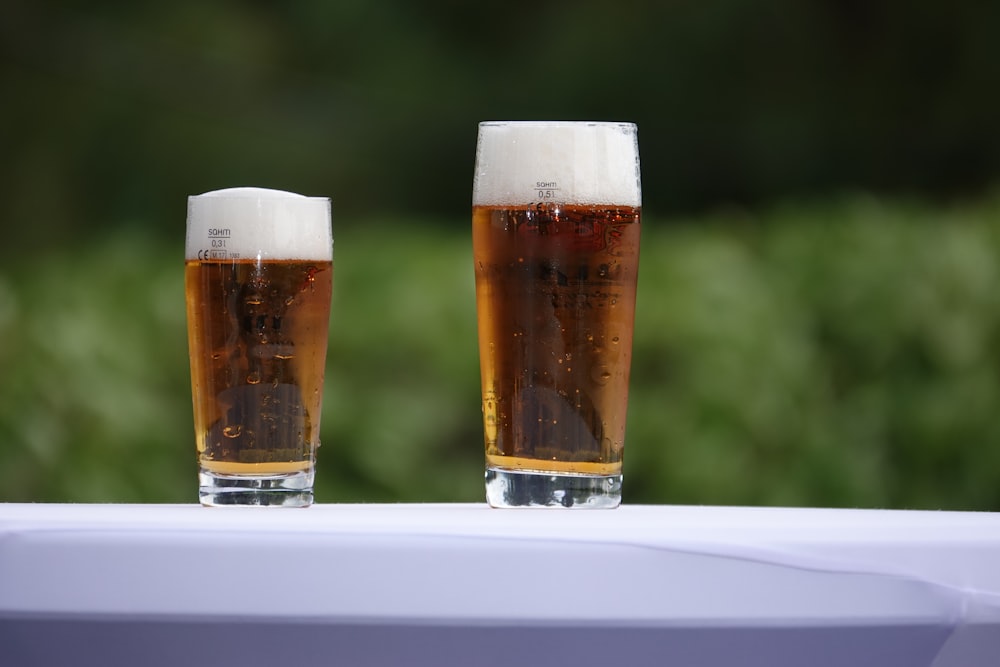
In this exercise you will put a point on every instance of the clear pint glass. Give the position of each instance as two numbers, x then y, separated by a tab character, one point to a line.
258	281
555	222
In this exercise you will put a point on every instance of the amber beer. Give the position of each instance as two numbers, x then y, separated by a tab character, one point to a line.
555	268
258	280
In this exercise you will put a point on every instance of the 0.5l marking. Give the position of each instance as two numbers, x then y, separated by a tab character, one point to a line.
546	189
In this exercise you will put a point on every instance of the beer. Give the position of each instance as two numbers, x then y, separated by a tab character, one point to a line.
555	299
257	361
258	281
556	251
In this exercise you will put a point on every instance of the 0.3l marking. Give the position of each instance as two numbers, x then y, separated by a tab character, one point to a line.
217	237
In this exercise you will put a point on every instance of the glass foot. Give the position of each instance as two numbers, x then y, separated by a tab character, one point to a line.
279	490
522	488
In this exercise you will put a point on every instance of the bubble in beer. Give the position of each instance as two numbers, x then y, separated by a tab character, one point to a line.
600	374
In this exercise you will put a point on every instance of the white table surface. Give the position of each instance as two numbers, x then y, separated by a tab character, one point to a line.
466	585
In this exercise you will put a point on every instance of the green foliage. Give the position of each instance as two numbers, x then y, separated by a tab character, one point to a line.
837	355
842	356
94	365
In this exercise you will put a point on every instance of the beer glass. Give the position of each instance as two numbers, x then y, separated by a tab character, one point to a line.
555	228
258	281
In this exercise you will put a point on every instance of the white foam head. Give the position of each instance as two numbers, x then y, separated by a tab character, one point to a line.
563	162
257	223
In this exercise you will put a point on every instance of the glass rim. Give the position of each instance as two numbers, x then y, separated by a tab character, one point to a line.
256	193
559	123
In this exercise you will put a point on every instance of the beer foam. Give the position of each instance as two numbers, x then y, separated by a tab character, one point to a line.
562	162
258	223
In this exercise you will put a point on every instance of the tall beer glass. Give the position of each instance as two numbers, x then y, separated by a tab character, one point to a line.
258	280
555	228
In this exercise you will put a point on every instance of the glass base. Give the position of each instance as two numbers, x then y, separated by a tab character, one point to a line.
294	489
524	488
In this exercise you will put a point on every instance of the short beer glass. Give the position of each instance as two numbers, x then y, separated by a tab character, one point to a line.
258	281
555	227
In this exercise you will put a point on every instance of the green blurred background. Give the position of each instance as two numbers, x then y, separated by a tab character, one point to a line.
818	319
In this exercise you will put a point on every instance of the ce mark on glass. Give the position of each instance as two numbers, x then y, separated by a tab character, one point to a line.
215	253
